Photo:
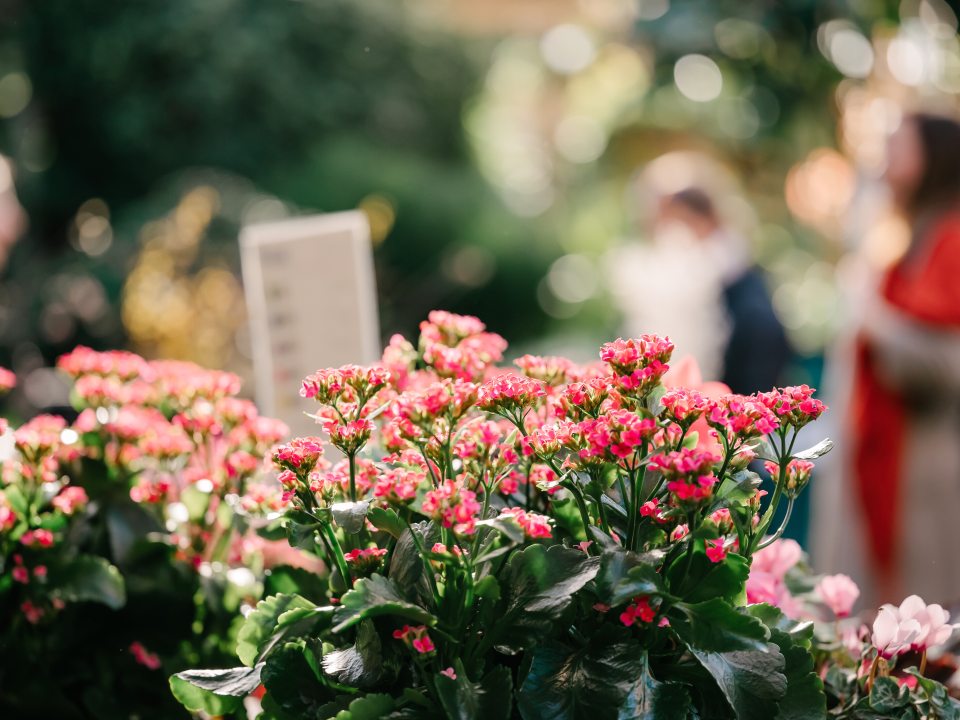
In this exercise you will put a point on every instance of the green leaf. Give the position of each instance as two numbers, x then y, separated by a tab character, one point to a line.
490	699
886	695
818	450
89	578
233	682
360	665
260	625
538	584
292	682
406	565
585	683
294	624
805	698
375	596
737	489
350	516
624	575
368	707
751	681
196	699
716	626
705	579
386	519
650	699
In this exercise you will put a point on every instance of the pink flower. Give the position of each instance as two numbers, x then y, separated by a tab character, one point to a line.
453	506
39	538
639	610
534	525
934	622
144	657
839	593
768	568
449	672
510	394
715	550
7	380
20	574
423	645
70	500
892	634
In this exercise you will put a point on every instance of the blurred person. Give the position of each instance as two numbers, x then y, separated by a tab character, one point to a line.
754	349
13	219
887	518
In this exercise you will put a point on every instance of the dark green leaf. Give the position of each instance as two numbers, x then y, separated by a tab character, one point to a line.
650	699
751	681
292	682
490	699
804	699
624	575
369	707
350	516
737	489
294	624
406	565
585	683
89	578
706	579
235	682
386	519
260	625
196	699
375	596
886	695
538	584
715	626
360	665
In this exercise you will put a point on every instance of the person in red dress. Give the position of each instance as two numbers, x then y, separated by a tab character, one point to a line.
904	419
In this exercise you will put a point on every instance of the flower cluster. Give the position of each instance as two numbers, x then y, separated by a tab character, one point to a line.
453	506
638	363
689	473
534	526
458	346
416	638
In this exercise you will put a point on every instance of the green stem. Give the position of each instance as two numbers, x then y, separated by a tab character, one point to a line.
352	458
338	557
783	526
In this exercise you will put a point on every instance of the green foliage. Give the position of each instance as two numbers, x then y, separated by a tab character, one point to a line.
373	597
89	578
260	625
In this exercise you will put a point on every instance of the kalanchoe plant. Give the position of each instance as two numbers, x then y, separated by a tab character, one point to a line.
124	535
554	542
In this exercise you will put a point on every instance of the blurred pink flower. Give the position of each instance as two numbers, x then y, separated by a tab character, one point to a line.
933	621
838	593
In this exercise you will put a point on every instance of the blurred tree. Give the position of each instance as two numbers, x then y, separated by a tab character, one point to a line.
324	105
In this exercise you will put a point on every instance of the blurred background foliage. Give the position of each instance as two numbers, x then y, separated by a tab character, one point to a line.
494	146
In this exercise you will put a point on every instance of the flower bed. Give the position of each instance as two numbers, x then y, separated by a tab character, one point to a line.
552	541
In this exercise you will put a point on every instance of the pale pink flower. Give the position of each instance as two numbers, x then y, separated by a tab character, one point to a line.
934	622
892	634
450	673
839	593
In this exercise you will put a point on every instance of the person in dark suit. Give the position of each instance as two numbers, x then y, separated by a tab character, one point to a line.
756	351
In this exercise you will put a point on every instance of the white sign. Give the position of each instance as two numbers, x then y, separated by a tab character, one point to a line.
312	301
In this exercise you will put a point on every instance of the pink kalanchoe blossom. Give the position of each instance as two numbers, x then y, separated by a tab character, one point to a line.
933	620
7	380
638	363
715	550
415	637
39	538
797	474
534	525
350	437
680	532
453	506
739	417
839	593
70	500
300	455
457	346
794	406
509	393
84	361
19	573
893	635
684	406
689	474
33	613
652	509
398	486
449	672
551	369
150	490
39	436
365	560
144	657
637	612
